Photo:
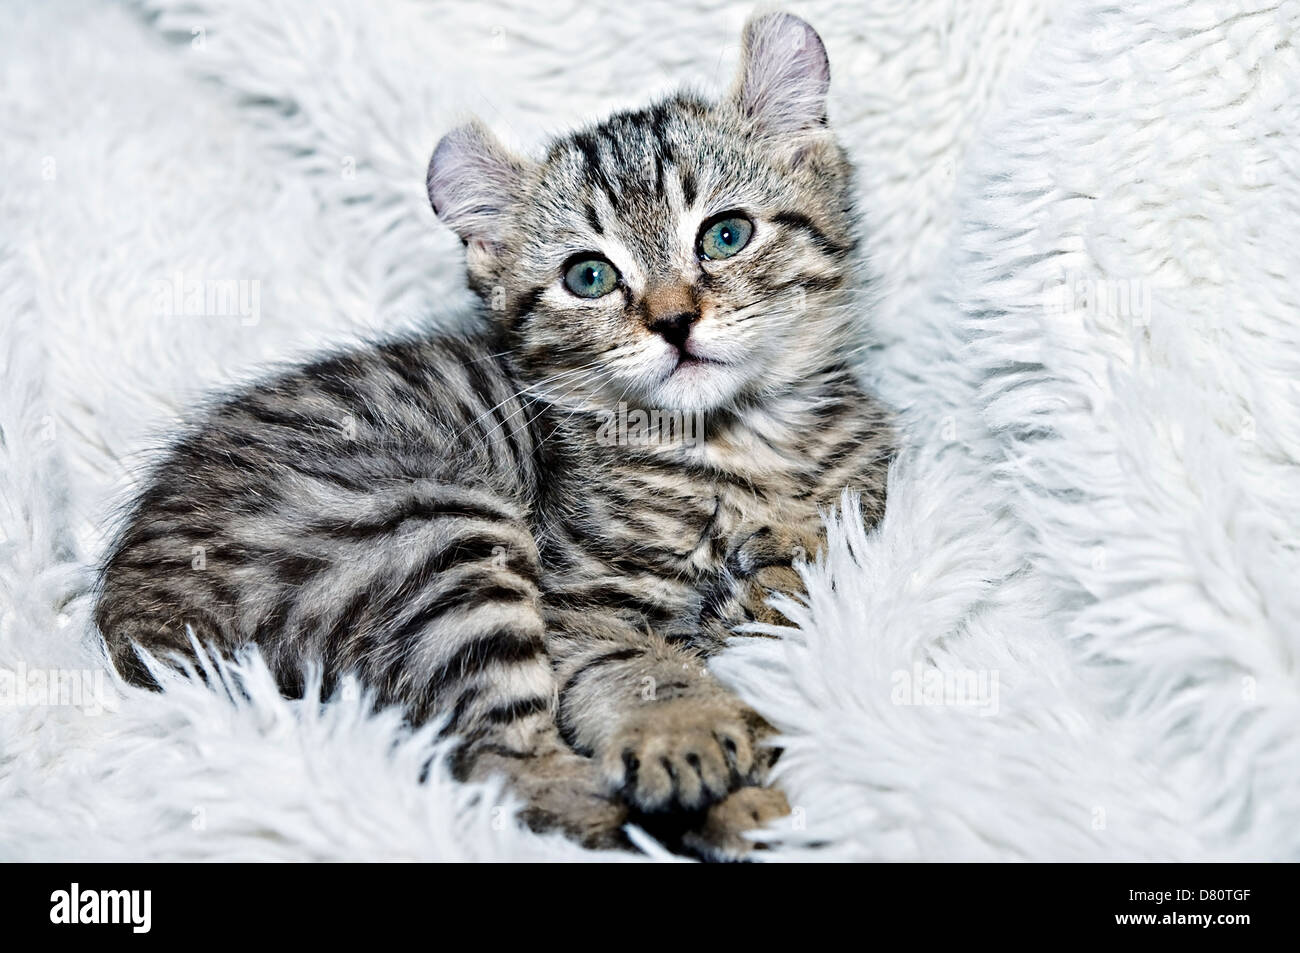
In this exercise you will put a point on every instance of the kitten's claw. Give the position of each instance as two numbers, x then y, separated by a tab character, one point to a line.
682	754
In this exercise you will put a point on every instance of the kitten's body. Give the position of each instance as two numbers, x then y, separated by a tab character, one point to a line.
447	517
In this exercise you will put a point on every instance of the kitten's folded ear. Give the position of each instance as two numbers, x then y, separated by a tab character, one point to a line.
472	180
784	74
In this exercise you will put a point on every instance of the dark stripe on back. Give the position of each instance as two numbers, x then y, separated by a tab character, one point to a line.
497	407
409	509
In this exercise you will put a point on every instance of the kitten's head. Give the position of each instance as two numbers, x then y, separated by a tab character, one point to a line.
686	256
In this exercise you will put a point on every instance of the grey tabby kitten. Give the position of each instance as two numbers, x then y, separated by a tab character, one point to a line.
455	520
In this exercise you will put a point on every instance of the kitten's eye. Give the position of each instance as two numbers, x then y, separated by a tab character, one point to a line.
590	277
725	235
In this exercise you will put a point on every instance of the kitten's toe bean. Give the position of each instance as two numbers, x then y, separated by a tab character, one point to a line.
722	836
680	754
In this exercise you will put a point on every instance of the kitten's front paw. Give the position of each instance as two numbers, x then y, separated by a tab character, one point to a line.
764	563
773	547
683	753
722	836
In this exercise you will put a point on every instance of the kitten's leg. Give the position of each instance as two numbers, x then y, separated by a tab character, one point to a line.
666	734
461	636
428	591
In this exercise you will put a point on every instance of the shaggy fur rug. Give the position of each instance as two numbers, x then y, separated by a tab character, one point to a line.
1075	635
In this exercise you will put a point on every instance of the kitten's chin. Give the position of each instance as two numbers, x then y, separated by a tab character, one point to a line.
697	386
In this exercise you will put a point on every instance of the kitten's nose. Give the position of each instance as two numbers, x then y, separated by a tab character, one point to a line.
675	328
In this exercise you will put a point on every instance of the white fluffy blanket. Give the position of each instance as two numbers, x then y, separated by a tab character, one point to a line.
1076	634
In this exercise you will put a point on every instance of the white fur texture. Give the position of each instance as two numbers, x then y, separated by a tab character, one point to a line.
1083	219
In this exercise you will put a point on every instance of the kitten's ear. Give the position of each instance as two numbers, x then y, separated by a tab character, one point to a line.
472	178
784	74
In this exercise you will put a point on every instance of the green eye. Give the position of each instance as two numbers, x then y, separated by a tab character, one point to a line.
724	236
590	277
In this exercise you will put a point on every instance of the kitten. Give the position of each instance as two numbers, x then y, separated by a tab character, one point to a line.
458	521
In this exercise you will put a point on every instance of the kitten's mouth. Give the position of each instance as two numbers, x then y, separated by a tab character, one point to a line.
686	359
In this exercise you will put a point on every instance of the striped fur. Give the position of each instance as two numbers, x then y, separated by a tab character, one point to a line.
447	516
